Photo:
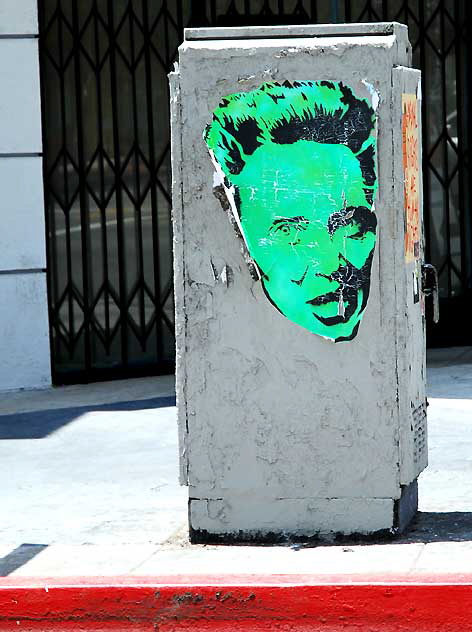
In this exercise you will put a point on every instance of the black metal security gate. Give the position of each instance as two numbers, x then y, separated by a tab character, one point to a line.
107	181
107	174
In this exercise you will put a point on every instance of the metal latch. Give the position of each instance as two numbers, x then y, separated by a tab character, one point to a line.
430	286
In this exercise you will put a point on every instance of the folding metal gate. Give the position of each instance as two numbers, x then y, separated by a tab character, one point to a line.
107	174
107	177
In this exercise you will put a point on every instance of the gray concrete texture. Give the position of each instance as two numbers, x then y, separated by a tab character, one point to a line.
90	488
338	465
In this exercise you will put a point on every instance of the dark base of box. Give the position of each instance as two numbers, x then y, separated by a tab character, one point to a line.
405	509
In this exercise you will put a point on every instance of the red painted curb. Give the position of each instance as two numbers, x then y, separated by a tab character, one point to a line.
238	604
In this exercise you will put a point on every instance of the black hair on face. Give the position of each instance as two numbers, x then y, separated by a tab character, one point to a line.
323	112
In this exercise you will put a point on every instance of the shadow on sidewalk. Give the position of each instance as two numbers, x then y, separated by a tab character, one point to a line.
41	423
19	557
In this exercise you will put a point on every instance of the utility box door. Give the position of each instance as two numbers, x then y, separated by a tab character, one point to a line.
411	356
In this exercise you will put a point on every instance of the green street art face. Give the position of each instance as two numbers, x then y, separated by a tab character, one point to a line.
299	172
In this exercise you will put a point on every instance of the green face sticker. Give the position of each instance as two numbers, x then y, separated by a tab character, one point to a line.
298	161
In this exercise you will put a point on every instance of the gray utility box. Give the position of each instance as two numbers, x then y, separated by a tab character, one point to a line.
299	309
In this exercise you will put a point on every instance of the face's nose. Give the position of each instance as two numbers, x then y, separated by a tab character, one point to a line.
320	259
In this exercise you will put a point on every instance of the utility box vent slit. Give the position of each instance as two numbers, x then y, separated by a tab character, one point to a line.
419	432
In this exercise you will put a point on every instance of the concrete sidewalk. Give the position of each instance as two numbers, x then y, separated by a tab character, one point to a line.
89	487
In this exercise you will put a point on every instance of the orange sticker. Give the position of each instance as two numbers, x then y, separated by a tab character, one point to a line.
411	174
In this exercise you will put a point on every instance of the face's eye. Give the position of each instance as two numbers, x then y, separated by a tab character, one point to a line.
348	227
354	231
355	222
289	229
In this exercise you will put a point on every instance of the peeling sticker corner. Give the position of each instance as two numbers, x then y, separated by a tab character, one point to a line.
374	95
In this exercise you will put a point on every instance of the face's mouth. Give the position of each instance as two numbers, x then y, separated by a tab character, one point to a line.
347	299
353	284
